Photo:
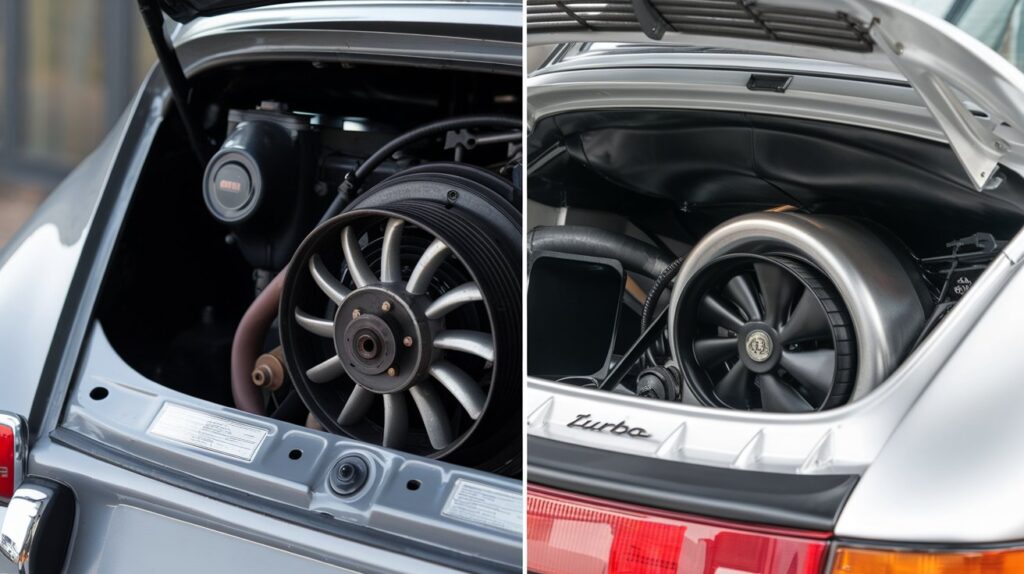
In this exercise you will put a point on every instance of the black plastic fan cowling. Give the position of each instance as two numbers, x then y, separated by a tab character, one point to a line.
766	333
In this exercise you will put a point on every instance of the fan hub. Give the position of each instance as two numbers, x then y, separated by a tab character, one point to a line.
759	347
370	329
368	343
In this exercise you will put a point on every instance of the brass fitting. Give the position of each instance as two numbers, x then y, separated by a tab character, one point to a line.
269	372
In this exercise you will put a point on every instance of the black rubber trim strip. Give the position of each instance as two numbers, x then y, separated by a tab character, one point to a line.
293	515
796	501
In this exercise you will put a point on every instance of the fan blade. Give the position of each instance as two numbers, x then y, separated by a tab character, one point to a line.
391	253
733	387
361	273
326	371
356	406
396	420
465	293
315	325
779	287
808	321
462	386
424	394
710	352
742	293
326	281
814	370
777	396
431	259
473	342
717	312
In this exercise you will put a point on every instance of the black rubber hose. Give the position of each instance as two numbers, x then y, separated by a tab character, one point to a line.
651	303
354	180
663	280
635	255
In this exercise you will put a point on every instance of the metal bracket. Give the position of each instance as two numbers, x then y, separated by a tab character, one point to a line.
652	23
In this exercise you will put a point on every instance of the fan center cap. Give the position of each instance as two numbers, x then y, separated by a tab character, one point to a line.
383	338
369	344
758	346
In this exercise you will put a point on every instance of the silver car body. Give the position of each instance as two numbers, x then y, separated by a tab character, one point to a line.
934	445
145	502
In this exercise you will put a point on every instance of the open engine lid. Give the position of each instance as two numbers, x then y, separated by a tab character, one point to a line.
945	65
188	10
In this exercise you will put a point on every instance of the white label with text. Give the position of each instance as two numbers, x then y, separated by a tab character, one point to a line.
208	432
485	505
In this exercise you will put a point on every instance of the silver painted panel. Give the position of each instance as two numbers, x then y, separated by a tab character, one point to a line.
35	272
136	535
941	60
126	520
124	418
953	471
659	56
865	104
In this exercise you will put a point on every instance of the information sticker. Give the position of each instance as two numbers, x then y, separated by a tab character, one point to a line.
208	432
485	505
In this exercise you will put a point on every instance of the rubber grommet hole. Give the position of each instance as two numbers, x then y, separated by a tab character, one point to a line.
413	485
98	393
295	454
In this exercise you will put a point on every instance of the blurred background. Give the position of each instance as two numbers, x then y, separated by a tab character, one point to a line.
68	68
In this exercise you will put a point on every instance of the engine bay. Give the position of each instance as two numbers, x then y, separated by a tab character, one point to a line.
746	262
347	259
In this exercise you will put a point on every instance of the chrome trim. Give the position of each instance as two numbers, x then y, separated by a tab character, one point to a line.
17	424
19	527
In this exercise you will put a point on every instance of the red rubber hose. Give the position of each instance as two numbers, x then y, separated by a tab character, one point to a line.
248	344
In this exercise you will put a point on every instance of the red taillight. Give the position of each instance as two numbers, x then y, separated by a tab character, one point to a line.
12	454
572	534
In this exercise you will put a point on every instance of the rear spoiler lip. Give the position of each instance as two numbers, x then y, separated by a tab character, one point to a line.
804	502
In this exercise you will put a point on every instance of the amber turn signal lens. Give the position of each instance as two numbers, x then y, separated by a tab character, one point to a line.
869	561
